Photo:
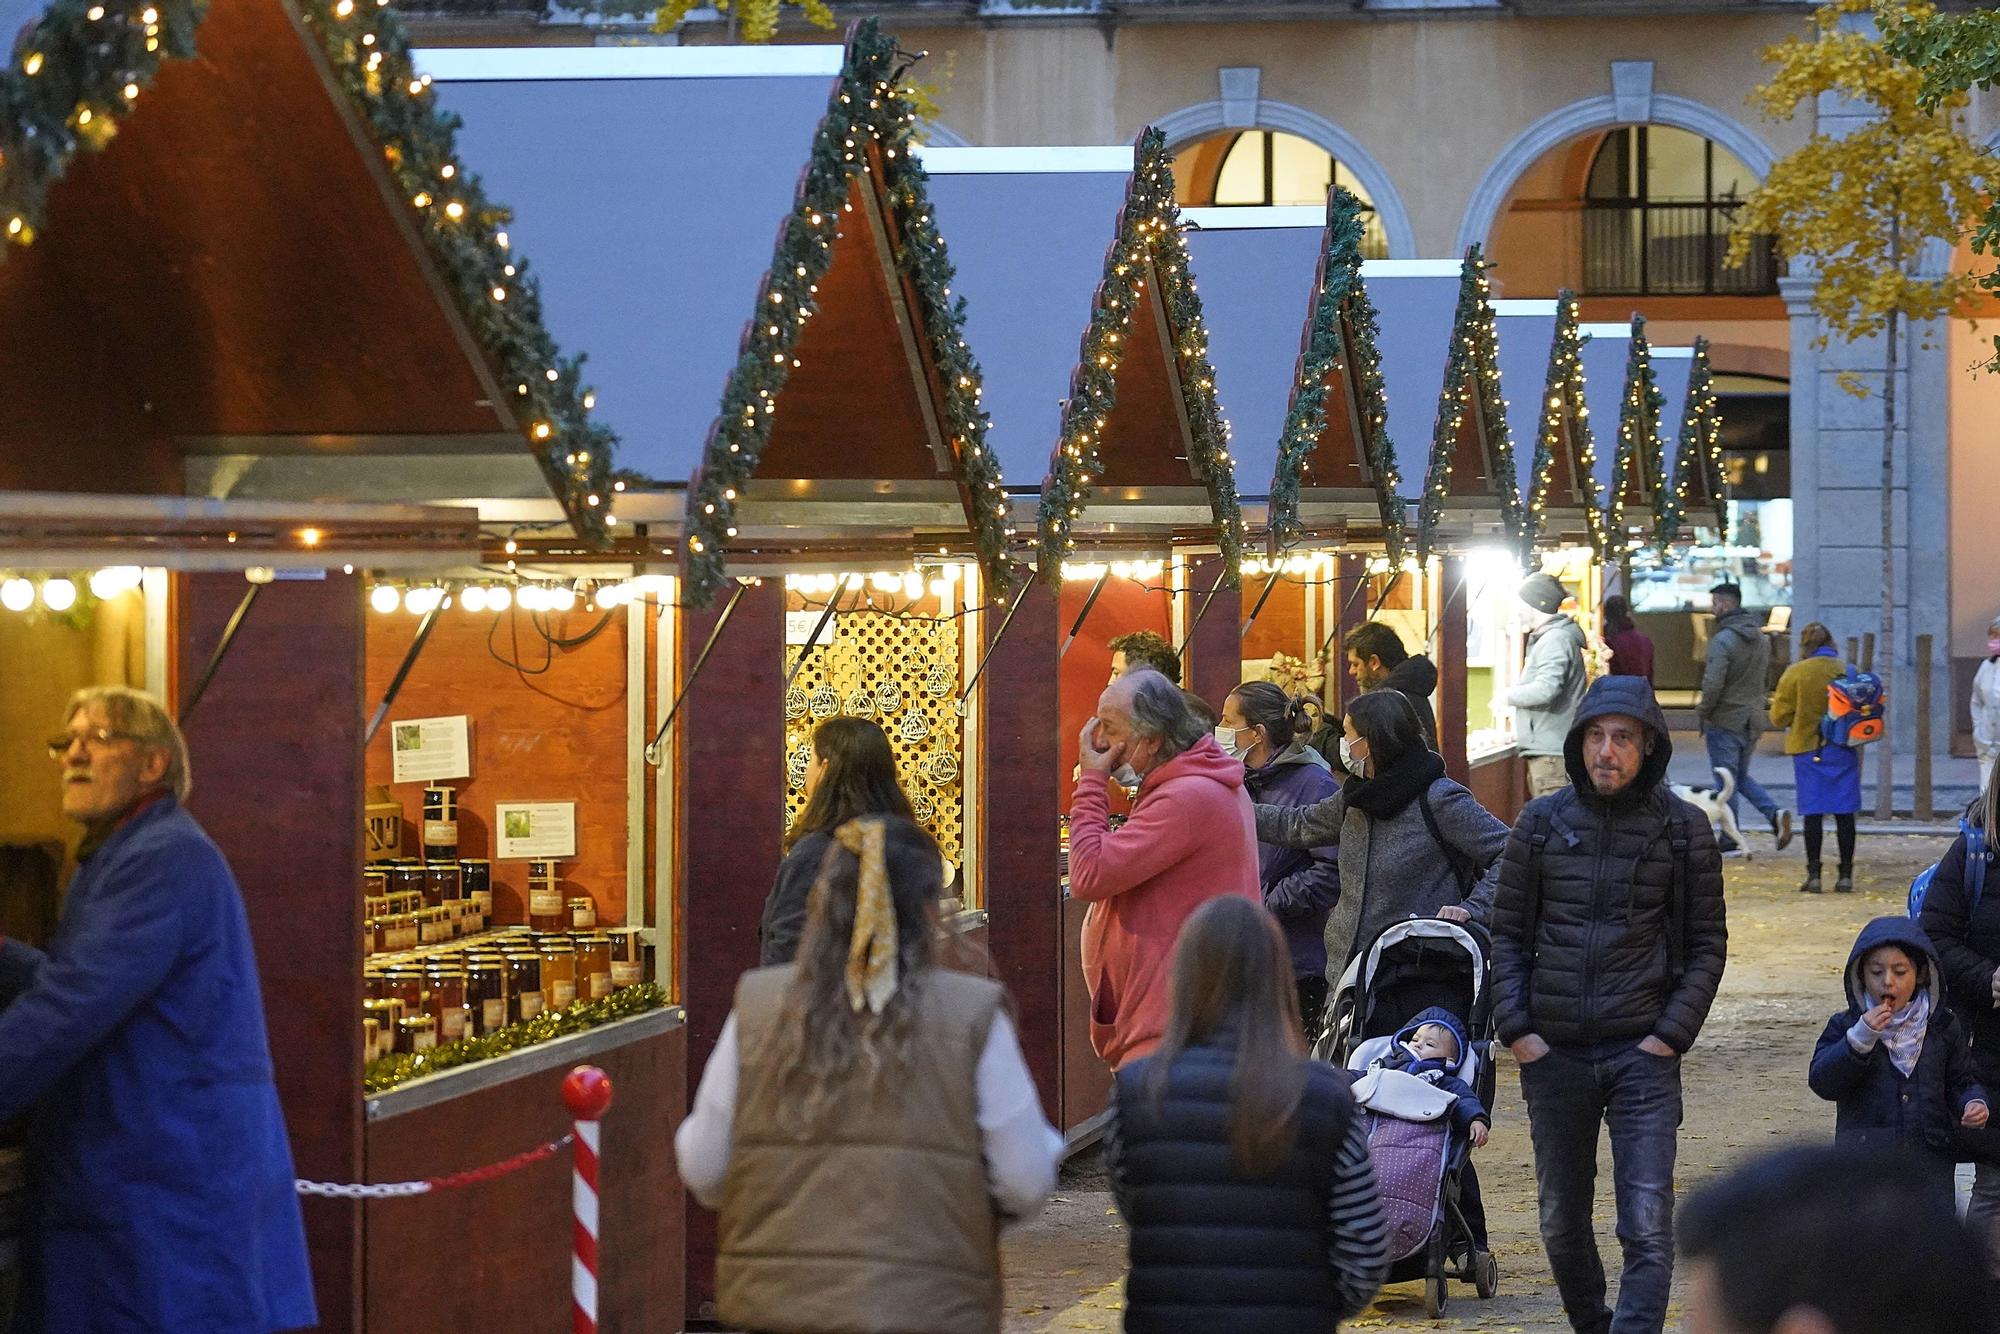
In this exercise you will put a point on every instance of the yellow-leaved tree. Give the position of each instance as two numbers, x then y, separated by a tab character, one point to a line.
749	20
1860	204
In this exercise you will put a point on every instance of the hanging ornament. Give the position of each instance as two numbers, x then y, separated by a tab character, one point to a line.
941	768
914	727
888	696
824	702
795	765
923	807
795	704
859	702
937	681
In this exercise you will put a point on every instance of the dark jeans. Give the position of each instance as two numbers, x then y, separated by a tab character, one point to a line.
1733	751
1569	1095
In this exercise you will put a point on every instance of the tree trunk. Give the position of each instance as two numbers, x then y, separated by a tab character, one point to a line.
1885	666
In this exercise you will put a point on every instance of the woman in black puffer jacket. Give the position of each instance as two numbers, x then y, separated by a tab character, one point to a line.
1241	1167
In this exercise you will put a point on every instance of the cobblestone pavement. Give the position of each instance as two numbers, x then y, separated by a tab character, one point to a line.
1744	1086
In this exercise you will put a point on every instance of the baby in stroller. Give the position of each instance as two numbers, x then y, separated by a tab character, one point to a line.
1432	1047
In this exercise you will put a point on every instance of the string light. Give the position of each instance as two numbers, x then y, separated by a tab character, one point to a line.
1470	411
1563	440
1639	470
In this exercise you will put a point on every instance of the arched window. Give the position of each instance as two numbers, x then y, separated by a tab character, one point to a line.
1657	209
1247	168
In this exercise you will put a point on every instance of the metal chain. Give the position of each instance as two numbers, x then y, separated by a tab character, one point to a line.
340	1190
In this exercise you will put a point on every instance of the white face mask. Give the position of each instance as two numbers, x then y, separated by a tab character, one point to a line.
1225	737
1348	760
1125	776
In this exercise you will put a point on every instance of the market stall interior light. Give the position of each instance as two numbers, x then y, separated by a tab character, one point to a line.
58	594
113	580
1139	571
383	598
17	595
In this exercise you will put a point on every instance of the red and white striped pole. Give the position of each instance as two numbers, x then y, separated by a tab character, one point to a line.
587	1093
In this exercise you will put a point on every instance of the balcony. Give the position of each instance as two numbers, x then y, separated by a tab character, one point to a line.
1647	248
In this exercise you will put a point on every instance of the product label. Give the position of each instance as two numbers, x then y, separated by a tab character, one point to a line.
583	919
440	833
564	994
531	1004
492	1015
545	903
482	901
627	974
451	1020
600	985
423	1041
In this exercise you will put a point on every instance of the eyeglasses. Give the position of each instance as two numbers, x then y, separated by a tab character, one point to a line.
96	738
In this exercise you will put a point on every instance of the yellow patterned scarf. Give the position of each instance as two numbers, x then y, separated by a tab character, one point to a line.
871	953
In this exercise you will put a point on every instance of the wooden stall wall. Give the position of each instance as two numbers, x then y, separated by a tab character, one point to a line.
1123	607
547	723
276	752
1213	659
1280	626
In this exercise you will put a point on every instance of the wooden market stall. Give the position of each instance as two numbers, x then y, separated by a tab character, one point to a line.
274	298
1700	499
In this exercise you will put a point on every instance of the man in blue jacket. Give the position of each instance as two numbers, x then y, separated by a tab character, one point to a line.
161	1175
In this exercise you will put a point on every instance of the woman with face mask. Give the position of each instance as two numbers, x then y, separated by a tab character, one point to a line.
1986	704
1267	730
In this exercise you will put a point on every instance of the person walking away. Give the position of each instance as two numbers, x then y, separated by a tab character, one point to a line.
1551	685
1961	919
852	773
1265	728
1631	648
1609	942
1732	703
1775	1247
1377	660
1240	1166
867	1122
1986	704
1826	778
1894	1061
1191	836
160	1175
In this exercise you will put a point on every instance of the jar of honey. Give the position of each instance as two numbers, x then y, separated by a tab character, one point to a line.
558	972
405	983
582	914
416	1033
440	825
441	884
406	879
524	985
546	909
486	995
628	956
447	1000
593	966
475	877
378	1028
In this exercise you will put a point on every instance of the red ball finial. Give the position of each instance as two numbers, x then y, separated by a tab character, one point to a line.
586	1092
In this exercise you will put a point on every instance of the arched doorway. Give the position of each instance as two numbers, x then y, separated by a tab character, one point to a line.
1251	168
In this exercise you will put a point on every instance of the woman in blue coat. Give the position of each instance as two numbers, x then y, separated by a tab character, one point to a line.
1266	729
160	1172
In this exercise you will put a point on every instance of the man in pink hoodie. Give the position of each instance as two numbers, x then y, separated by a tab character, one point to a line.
1192	836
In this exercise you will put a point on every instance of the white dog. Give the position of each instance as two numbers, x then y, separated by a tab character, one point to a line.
1714	803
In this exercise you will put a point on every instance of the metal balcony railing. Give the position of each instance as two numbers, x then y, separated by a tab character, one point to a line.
1641	248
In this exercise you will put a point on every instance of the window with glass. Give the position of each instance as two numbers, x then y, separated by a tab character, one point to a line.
1658	207
1260	168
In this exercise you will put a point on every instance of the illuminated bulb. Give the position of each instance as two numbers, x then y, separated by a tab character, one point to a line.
497	599
610	595
58	594
885	581
512	546
472	598
454	210
113	580
33	64
384	598
421	601
17	595
826	583
310	537
913	585
563	599
131	92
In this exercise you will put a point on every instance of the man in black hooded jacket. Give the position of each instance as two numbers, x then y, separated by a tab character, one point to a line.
1377	660
1608	944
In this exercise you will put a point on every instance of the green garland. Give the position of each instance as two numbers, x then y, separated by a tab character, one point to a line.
867	107
1698	453
1564	406
1640	459
1149	230
87	62
1471	385
386	1072
1340	304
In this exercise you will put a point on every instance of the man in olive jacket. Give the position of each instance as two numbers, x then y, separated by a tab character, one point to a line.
1731	709
1608	945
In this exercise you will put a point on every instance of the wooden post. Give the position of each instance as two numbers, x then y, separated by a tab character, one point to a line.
1451	696
1853	654
1213	663
1868	651
1920	806
1352	608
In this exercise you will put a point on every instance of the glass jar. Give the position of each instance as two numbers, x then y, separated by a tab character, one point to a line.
524	985
405	983
475	877
383	1014
583	914
440	839
546	909
558	973
628	956
447	1001
486	995
371	936
593	966
401	931
407	879
441	884
416	1033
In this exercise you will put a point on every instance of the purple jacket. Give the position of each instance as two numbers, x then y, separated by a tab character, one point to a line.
1300	885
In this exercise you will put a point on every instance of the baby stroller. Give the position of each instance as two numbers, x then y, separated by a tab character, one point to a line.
1419	1157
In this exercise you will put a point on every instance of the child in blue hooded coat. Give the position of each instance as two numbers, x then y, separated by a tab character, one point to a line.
1432	1046
1894	1062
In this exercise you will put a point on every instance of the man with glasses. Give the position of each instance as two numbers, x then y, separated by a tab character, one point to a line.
160	1172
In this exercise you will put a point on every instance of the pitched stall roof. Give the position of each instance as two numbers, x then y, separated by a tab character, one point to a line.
1648	380
1699	498
1417	301
850	416
1470	485
1142	420
1541	344
1335	469
274	279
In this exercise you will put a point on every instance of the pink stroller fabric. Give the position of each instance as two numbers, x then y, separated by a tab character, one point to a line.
1409	1158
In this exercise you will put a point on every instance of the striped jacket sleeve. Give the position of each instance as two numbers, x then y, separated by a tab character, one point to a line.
1358	1238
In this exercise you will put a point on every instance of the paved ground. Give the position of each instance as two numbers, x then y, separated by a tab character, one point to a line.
1744	1086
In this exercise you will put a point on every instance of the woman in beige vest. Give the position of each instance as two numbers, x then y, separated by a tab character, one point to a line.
867	1121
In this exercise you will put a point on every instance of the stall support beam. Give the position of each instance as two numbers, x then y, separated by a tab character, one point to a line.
1022	793
1212	660
276	747
731	752
1452	645
1352	591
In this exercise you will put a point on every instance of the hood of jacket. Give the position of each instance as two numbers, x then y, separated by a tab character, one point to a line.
1633	697
1559	625
1900	931
1204	759
1415	675
1296	753
1437	1014
1745	625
